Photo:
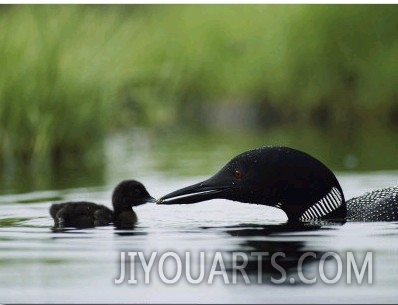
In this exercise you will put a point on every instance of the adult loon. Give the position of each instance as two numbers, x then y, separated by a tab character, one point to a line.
291	180
82	214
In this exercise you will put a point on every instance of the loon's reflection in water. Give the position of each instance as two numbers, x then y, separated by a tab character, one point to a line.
275	253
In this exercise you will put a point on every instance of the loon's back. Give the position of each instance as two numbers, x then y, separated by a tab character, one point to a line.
377	205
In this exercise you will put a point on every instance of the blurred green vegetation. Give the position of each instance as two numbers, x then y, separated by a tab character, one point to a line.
12	222
70	74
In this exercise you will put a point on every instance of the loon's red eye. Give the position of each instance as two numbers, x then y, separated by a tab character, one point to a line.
238	174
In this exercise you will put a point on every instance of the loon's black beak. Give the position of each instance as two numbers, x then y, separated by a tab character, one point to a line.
206	190
150	199
142	201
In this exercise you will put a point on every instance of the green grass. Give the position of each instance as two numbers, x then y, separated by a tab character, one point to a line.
58	81
71	73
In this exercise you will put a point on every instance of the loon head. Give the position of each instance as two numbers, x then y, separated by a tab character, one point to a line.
282	177
130	193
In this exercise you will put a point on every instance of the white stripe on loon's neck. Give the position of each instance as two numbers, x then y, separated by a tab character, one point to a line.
324	206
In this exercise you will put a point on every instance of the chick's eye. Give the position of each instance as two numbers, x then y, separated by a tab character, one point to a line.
238	174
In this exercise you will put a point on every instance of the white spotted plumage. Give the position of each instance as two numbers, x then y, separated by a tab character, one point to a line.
377	205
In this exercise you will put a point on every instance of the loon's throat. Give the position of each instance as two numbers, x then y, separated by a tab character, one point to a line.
326	205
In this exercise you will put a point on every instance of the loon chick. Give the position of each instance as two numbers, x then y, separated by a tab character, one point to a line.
82	214
291	180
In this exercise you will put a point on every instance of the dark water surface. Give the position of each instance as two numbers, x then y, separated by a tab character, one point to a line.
38	265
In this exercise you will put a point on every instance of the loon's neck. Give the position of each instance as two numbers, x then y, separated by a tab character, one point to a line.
329	206
124	219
